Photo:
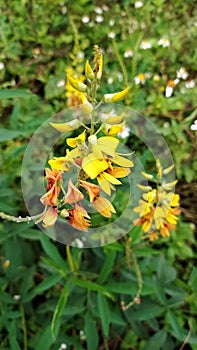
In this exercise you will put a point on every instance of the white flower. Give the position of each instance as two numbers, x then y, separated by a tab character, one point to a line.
194	126
125	132
166	125
110	80
190	84
111	35
60	83
85	19
105	8
138	4
91	24
128	53
79	243
182	74
82	335
145	44
98	10
80	55
99	19
170	87
17	297
64	10
164	42
63	346
140	78
2	66
111	22
120	76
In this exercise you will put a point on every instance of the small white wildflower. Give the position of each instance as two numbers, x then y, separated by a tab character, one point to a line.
166	125
194	126
182	74
190	84
60	83
138	4
17	297
98	10
99	19
169	91
91	24
80	55
64	10
82	335
128	53
63	346
120	76
105	8
145	44
111	35
2	66
85	19
110	80
79	243
111	22
125	132
164	42
140	79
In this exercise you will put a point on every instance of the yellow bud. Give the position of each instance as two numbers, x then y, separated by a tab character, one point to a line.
89	73
65	127
6	263
116	96
146	175
76	84
87	106
100	70
144	188
167	170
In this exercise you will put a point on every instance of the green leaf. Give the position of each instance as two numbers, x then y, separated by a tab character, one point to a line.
91	332
156	341
53	252
107	266
175	326
6	134
122	287
12	93
104	313
45	339
145	311
93	286
59	308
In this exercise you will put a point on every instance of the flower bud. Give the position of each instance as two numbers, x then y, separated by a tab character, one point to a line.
76	84
89	73
116	96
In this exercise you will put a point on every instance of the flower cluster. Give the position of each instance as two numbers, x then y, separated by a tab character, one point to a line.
93	153
159	206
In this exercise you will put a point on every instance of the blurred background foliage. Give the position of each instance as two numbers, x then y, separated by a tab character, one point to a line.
52	297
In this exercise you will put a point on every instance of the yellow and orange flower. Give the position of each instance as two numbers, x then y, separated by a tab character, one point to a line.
79	218
49	218
54	178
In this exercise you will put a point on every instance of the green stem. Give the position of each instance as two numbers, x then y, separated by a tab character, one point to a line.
122	65
20	219
70	260
23	321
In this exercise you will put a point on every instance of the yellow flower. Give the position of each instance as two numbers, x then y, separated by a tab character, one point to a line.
110	119
89	73
73	194
76	84
116	96
109	129
106	180
104	206
75	141
49	218
64	163
100	67
105	145
93	166
87	106
66	127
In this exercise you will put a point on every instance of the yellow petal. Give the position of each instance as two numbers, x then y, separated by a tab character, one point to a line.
74	141
87	106
108	145
118	172
116	96
122	161
93	166
76	84
111	179
65	127
167	170
104	207
99	73
105	185
146	175
175	200
106	118
88	71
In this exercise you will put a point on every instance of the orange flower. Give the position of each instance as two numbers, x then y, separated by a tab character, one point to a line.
54	178
73	194
91	189
79	218
104	207
49	218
